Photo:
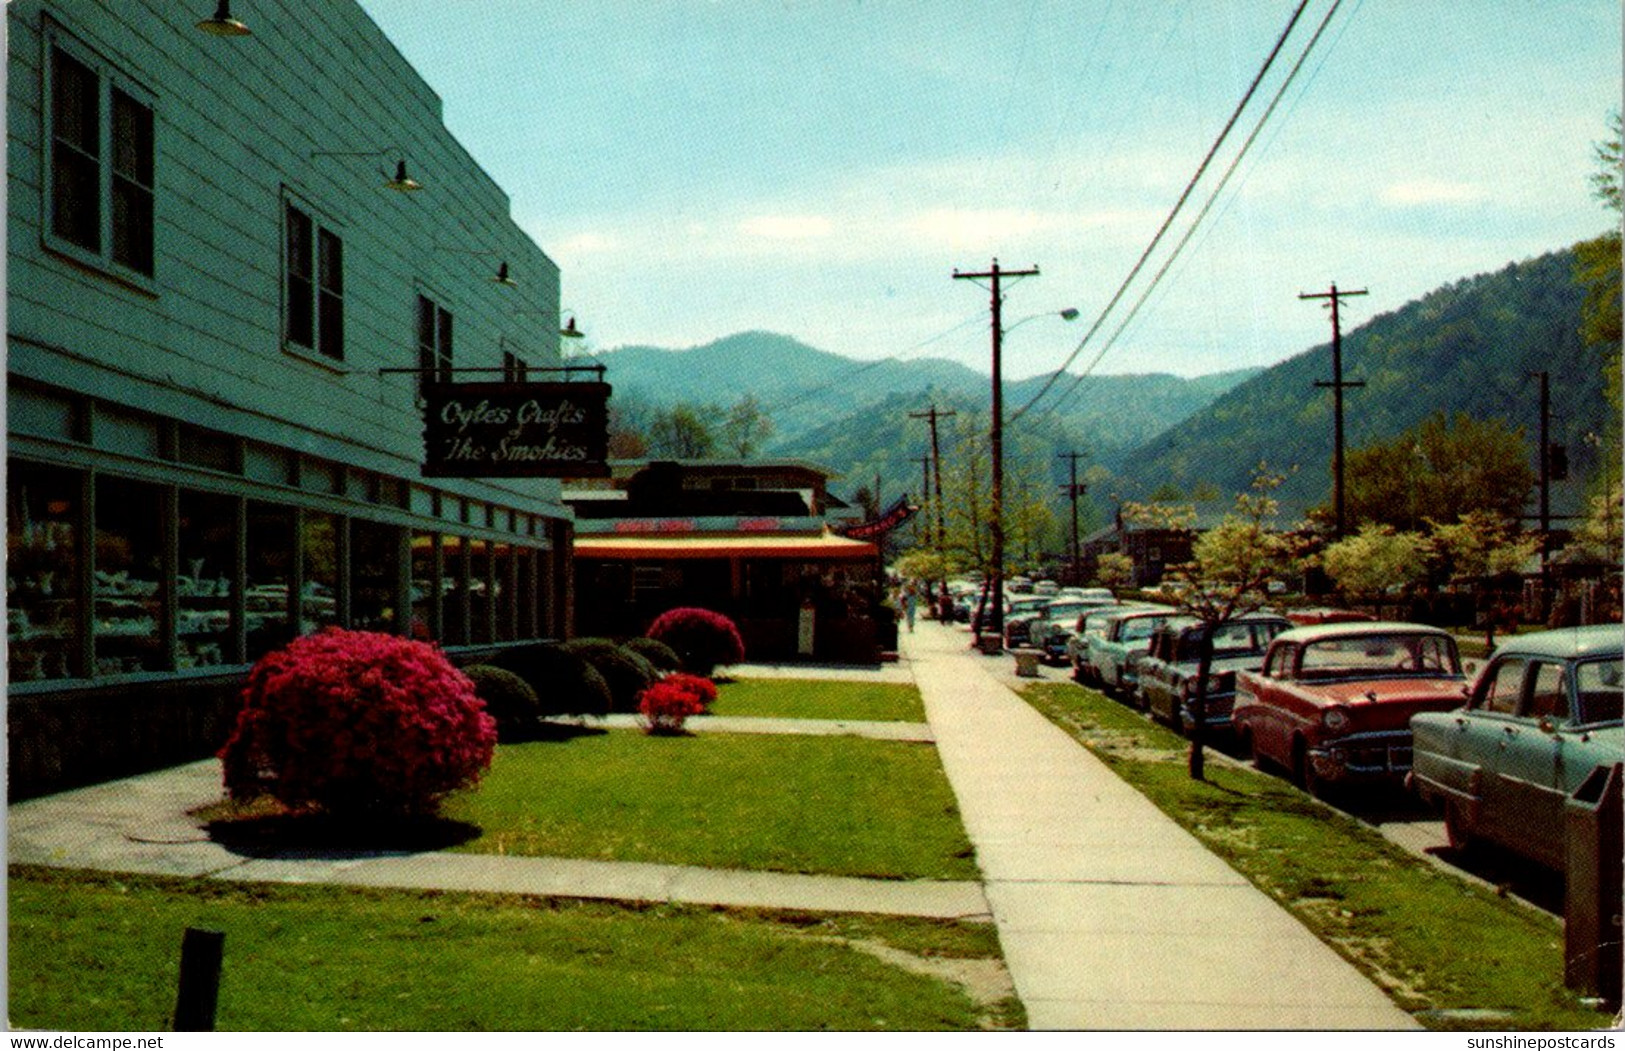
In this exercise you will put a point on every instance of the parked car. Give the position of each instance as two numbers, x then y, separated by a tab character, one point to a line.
1104	595
1543	714
1088	627
1333	703
1167	672
1019	615
1126	636
1050	632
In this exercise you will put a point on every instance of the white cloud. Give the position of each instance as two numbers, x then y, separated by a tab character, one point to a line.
787	227
588	241
1430	191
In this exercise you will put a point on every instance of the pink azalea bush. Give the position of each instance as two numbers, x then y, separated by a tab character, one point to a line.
665	705
358	722
702	638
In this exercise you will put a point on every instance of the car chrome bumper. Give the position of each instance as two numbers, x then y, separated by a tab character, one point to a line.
1381	755
1219	707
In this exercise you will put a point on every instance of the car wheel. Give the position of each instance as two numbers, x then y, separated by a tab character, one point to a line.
1248	745
1456	830
1077	673
1303	771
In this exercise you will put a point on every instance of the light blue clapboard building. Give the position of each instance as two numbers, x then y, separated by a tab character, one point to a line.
226	255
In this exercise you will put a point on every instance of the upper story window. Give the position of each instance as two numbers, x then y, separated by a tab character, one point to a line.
100	189
434	341
313	284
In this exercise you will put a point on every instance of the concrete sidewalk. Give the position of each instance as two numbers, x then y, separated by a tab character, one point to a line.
1111	916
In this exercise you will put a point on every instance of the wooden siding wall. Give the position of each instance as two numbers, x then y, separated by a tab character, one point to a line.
236	121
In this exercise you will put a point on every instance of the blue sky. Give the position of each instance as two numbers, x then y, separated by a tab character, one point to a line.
820	167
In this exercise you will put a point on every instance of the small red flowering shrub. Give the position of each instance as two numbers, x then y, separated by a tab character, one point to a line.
357	722
667	704
702	638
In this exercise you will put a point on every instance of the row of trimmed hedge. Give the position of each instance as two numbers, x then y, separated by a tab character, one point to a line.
595	676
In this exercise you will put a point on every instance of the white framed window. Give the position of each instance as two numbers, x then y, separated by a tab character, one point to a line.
100	145
434	327
312	282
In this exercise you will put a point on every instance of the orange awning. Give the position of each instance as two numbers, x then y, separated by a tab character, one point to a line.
625	548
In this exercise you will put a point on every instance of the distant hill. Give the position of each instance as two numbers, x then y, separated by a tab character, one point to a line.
852	416
1466	347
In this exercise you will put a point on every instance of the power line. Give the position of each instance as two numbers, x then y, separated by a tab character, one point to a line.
1178	205
1196	223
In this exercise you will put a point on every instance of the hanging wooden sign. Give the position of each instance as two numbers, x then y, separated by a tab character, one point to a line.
515	430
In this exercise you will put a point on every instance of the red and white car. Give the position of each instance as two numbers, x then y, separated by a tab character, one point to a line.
1333	703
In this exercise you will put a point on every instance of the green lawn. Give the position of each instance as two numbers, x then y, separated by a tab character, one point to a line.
1435	943
835	805
93	952
818	699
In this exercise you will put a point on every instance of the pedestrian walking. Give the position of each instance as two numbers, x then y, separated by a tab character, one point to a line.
911	603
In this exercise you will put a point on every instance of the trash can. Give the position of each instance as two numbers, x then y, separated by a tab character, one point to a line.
1026	663
1592	900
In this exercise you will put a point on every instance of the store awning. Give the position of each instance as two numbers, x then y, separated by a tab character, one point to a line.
633	548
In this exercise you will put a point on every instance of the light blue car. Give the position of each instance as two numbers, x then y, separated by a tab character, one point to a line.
1543	714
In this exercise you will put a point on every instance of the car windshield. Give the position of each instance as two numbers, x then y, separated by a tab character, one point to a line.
1138	629
1381	654
1599	685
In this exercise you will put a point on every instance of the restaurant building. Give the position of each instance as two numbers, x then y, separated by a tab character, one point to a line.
758	541
232	258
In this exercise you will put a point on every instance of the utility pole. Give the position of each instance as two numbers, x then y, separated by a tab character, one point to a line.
996	441
1337	384
1074	490
933	414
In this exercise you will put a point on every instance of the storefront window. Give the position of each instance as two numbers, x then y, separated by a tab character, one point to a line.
482	591
456	603
42	571
375	559
208	551
129	575
507	612
270	569
525	592
426	587
319	552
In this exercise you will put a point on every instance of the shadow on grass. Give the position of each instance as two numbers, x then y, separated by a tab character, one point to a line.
315	835
552	728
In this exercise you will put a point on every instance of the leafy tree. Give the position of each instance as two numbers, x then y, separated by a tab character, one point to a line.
627	440
1601	537
1114	569
1375	560
1597	270
1156	514
1229	575
1479	544
1439	470
921	564
746	427
965	496
681	432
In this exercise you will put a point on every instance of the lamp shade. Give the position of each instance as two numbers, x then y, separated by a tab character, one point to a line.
222	24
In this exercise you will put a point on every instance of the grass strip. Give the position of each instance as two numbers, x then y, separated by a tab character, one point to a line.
842	806
1454	954
94	951
820	699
